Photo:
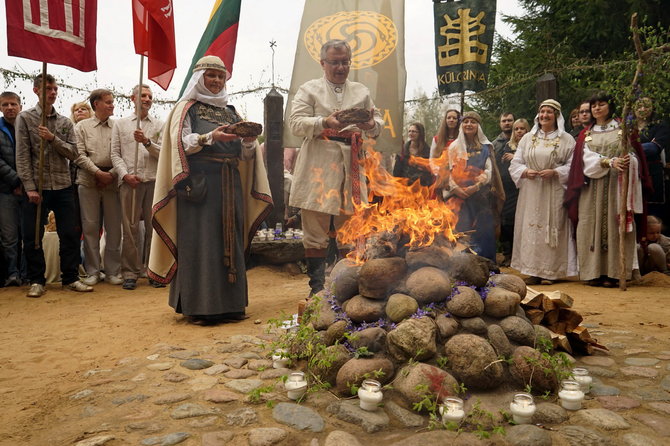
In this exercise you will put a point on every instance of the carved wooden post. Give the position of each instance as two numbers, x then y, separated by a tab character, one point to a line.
546	87
274	153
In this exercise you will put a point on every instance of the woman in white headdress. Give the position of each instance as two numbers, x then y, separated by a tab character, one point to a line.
474	181
543	246
211	194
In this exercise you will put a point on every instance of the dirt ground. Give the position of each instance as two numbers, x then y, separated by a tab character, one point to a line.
48	343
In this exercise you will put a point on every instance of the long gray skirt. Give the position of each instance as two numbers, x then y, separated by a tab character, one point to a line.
200	286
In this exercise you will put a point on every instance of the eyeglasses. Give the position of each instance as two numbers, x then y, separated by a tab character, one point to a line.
338	63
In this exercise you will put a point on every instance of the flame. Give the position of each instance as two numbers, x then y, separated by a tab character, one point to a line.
410	211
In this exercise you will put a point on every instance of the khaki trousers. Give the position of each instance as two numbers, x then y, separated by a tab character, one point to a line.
315	227
91	201
135	254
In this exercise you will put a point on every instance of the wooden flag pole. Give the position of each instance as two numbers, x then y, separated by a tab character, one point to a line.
40	172
138	115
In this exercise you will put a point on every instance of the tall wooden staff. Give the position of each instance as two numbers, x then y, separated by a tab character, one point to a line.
40	171
624	146
138	115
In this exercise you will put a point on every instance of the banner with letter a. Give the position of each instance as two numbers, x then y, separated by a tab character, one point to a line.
58	32
463	44
375	31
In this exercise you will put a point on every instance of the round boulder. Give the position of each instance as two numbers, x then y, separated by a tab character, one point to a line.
329	361
475	325
499	341
413	338
354	371
469	268
344	280
466	303
509	282
361	309
400	307
501	303
428	284
373	338
335	332
433	255
412	378
529	367
518	330
324	315
446	326
378	276
472	360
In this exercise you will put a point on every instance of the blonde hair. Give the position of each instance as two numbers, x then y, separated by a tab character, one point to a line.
512	141
76	105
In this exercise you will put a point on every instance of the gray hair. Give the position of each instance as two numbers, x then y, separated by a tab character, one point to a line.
334	43
136	89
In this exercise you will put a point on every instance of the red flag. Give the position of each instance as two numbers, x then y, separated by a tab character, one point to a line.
53	31
153	27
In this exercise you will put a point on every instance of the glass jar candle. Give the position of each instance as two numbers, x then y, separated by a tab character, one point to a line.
296	385
571	395
452	410
522	408
582	376
370	395
280	358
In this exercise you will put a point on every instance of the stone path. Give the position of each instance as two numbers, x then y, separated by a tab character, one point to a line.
200	395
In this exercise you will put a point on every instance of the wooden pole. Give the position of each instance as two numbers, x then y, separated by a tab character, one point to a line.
40	172
138	115
624	146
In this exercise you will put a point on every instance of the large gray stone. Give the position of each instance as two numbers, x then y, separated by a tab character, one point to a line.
413	377
465	303
241	417
468	268
325	315
499	341
659	424
363	309
350	411
406	417
474	325
527	435
528	367
335	332
509	282
197	364
518	330
501	303
582	436
373	338
166	440
298	417
601	418
428	285
266	436
190	410
378	276
354	371
413	338
244	385
473	361
218	438
446	326
344	280
329	361
341	438
549	413
433	255
400	307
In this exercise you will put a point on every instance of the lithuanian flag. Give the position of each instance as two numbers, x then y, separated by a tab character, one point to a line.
220	36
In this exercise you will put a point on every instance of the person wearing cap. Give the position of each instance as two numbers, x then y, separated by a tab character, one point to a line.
594	192
211	194
328	180
475	181
543	245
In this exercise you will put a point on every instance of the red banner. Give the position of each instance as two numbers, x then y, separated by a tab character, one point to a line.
153	29
53	31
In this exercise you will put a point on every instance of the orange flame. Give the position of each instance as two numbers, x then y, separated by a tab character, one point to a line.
408	210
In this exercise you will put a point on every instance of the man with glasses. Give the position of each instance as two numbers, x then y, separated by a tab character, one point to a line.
584	118
328	179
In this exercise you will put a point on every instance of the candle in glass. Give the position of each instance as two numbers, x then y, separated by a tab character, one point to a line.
280	358
582	376
452	410
370	394
296	385
571	395
522	408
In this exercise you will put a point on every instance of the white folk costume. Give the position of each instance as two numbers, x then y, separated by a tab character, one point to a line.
597	229
543	242
209	199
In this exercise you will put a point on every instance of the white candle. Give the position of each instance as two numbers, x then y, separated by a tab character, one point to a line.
571	395
280	359
370	395
296	385
582	376
452	410
522	408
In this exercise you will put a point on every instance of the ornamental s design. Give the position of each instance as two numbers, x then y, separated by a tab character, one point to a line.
462	39
372	36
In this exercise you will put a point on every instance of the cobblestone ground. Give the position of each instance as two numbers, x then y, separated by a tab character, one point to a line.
196	392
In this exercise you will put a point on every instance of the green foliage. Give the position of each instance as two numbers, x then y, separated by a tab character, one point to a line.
362	352
557	365
256	394
482	422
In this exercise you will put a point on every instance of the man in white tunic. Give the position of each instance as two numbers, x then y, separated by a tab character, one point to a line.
328	179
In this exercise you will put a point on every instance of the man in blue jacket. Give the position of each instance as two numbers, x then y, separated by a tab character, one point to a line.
10	187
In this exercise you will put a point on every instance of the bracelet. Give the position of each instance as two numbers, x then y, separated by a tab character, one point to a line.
606	163
148	143
202	140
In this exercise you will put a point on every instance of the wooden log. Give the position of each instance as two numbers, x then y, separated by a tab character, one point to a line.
550	318
561	341
570	318
535	315
533	298
560	299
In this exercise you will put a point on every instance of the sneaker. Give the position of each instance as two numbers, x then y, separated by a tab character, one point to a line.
155	284
114	280
36	290
78	286
91	280
129	284
13	281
